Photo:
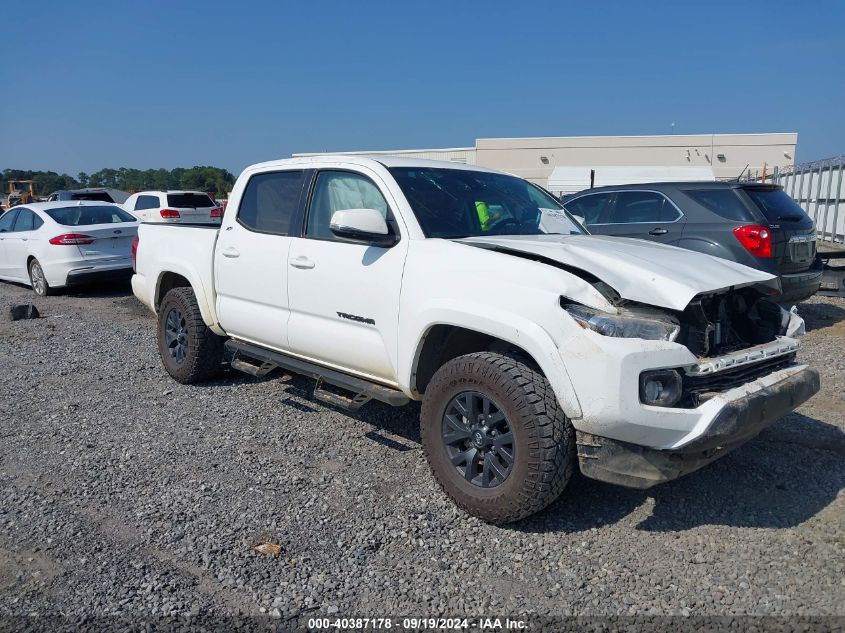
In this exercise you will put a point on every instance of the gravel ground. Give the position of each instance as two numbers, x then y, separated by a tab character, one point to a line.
125	493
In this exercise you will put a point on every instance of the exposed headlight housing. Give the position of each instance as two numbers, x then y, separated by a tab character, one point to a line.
638	322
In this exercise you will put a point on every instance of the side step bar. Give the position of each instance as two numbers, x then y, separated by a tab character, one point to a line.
260	361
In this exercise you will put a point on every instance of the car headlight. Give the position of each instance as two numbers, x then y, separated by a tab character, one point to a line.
639	322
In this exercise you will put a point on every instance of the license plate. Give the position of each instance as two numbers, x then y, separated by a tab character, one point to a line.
801	249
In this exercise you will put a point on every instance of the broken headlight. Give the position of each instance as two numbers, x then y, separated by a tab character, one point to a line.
638	322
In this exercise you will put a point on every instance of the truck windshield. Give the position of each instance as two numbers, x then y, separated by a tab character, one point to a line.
454	203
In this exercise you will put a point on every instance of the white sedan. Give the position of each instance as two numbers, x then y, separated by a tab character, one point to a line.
49	245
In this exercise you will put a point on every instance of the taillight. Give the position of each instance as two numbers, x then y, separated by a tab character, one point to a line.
216	213
170	214
756	239
134	251
72	239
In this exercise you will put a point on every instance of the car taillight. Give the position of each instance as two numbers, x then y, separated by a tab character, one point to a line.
134	251
170	214
72	239
216	213
756	239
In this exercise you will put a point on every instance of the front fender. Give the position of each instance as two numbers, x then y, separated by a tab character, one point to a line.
501	324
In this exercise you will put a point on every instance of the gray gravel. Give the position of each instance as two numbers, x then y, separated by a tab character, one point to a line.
123	492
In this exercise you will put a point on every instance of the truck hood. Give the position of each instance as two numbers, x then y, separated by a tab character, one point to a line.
639	270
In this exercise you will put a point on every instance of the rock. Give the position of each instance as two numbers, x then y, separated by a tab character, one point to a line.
23	311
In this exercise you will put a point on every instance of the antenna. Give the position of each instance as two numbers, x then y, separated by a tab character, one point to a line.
742	172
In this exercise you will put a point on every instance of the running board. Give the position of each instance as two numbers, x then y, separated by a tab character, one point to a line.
259	358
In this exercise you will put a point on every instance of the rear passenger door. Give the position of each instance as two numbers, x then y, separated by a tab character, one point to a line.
17	243
251	259
7	223
647	215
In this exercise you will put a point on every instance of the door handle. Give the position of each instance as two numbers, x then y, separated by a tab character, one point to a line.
302	262
231	252
658	231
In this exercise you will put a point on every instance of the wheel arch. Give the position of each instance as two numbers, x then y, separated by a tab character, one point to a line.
442	341
170	279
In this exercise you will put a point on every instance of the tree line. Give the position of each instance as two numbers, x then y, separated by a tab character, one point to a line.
200	178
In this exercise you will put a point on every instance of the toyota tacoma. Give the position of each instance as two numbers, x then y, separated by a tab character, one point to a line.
534	347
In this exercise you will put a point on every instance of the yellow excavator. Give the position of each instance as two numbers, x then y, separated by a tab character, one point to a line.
20	192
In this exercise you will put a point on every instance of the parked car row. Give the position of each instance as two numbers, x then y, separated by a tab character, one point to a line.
534	346
80	237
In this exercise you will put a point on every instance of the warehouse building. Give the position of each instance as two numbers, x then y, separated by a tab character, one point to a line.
580	158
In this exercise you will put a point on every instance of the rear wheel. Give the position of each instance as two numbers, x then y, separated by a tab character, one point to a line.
38	280
495	438
189	350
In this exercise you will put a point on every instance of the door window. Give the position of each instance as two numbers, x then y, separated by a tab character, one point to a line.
27	221
270	201
146	202
338	191
7	220
642	207
589	207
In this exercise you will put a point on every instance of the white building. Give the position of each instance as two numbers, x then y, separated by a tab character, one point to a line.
535	158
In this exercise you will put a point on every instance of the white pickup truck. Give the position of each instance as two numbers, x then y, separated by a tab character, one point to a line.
532	345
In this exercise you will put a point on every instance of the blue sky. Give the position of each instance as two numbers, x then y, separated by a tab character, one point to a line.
164	84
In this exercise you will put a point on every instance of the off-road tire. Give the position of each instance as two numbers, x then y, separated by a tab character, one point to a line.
204	349
544	454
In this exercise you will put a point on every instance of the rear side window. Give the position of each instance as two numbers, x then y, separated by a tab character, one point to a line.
723	202
777	206
270	201
146	202
642	207
85	215
589	207
27	221
189	200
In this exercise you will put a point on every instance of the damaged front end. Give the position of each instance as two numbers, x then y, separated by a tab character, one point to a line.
745	377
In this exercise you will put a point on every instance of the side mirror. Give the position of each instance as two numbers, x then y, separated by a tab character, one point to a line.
362	225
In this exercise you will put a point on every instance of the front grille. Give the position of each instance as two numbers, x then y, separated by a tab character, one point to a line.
698	389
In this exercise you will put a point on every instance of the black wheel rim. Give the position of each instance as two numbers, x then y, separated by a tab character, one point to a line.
176	335
478	439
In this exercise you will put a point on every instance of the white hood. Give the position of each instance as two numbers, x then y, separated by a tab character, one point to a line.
639	270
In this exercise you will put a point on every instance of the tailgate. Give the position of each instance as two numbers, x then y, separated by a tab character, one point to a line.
193	215
793	232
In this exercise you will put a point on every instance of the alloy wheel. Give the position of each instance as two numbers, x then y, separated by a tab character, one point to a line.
478	439
36	276
176	335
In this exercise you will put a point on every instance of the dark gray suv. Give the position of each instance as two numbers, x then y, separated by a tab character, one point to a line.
753	224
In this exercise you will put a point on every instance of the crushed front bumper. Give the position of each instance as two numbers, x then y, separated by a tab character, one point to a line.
739	420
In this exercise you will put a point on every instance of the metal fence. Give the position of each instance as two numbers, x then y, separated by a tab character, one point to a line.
820	190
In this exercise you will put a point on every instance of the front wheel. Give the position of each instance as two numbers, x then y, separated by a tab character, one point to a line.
189	350
496	440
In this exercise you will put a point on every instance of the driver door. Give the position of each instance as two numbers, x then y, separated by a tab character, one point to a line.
344	295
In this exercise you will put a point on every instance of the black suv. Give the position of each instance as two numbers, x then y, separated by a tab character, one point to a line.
753	224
